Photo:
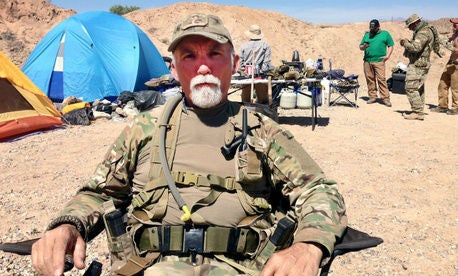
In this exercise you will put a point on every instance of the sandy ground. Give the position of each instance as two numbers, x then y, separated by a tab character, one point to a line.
398	177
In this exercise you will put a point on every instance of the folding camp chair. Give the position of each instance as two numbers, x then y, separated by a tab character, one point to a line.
343	87
352	241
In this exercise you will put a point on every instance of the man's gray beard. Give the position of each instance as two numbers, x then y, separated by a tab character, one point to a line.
206	96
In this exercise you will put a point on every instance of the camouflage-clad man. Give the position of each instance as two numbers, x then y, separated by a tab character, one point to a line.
219	211
418	51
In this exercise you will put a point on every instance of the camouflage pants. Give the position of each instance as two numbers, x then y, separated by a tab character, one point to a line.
174	265
415	87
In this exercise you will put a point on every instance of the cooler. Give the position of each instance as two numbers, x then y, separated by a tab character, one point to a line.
398	83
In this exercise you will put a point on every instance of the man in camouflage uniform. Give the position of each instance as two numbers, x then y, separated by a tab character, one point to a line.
239	195
418	51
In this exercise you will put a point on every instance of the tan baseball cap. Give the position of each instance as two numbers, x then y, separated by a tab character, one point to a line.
206	25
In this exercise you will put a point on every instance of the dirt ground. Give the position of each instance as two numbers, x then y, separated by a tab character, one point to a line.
398	177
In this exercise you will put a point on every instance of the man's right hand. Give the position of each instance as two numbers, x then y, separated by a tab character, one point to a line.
364	46
48	253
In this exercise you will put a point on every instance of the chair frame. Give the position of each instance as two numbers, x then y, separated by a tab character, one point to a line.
342	90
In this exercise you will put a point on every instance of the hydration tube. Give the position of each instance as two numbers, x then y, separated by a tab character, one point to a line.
170	107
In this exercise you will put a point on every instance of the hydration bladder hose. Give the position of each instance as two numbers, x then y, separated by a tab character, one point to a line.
170	107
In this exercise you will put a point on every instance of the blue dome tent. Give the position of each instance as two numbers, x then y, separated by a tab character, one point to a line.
93	55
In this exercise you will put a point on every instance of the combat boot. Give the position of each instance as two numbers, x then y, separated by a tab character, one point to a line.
452	112
414	116
371	101
387	102
439	109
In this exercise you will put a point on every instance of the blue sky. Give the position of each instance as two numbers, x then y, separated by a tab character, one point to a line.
312	11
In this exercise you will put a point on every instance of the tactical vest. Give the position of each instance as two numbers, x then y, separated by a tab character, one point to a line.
421	59
251	184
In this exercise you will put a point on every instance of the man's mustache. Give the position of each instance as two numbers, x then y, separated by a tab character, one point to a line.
201	79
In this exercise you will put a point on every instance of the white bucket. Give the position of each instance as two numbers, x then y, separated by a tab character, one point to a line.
325	89
304	99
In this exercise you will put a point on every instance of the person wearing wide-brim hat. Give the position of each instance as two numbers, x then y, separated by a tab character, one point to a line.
449	78
255	54
412	20
254	32
418	51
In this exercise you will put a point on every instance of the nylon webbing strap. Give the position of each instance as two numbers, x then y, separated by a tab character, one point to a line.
206	201
240	267
188	178
136	264
226	183
213	239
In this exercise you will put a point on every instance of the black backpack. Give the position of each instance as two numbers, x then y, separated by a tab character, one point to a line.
82	116
436	41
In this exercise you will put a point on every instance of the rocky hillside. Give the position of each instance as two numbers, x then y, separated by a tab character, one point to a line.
23	23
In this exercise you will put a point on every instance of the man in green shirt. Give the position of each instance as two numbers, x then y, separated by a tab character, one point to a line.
377	46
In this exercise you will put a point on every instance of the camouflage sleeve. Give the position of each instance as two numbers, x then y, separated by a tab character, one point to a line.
112	179
316	202
422	38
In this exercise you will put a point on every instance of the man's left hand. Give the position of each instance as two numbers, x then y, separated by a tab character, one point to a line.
299	259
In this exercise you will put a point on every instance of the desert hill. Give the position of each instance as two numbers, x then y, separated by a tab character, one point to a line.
338	42
24	23
398	177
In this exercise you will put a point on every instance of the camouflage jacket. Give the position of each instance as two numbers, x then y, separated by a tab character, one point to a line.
315	201
418	49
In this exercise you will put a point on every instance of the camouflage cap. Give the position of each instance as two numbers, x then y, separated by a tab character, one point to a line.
206	25
412	19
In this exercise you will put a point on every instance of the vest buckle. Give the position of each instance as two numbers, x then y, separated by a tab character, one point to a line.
194	242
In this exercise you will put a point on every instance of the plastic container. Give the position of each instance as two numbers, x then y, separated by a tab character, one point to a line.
325	89
169	93
319	63
316	94
288	98
398	83
304	99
